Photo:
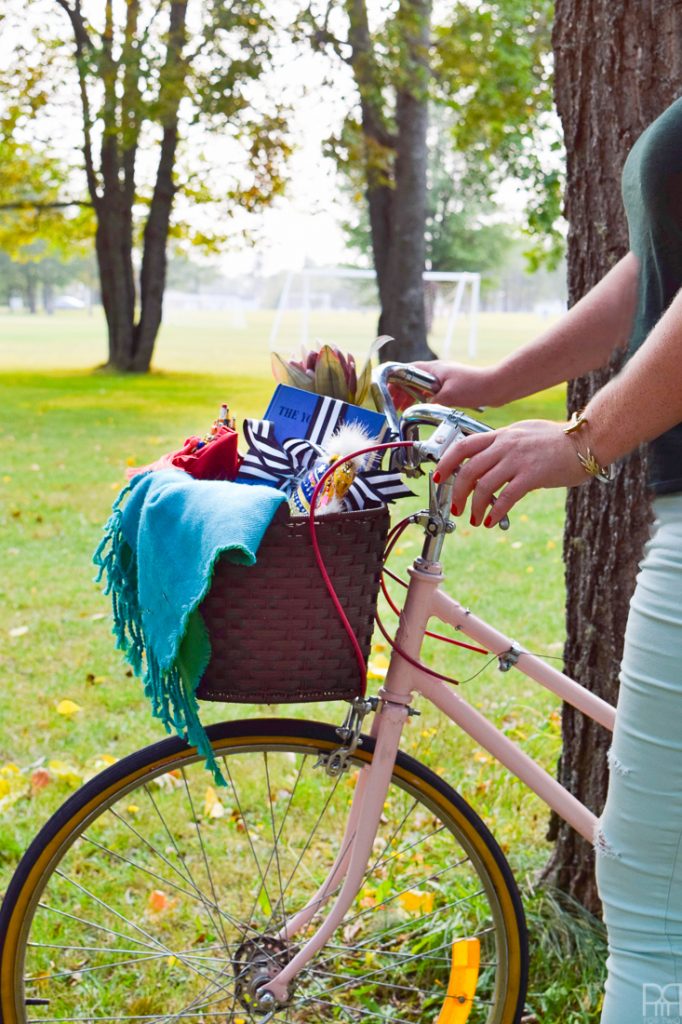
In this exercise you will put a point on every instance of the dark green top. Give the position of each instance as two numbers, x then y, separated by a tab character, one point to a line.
652	193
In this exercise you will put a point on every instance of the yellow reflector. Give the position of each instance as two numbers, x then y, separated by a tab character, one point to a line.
466	955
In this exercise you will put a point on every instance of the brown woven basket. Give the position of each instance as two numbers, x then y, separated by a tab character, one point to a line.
275	634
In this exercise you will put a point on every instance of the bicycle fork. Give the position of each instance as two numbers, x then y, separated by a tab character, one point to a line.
369	797
353	857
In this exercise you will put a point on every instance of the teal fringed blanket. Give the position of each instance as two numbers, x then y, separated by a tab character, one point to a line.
158	554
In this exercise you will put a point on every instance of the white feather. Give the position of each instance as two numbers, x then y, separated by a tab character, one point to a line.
351	437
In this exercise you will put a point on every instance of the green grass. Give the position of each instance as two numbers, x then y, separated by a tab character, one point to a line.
68	435
217	342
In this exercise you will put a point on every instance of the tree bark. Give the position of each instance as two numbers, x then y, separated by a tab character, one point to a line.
395	173
618	66
112	187
403	316
31	287
154	259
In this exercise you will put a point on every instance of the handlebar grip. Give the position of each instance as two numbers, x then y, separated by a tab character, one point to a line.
411	379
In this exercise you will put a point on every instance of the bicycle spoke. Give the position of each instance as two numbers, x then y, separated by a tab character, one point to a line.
275	844
425	917
389	842
190	902
111	910
203	852
100	927
140	867
247	832
188	877
183	957
404	849
309	840
136	1016
361	1013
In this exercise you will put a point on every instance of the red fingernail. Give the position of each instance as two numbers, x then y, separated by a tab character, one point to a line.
436	477
454	510
488	520
472	521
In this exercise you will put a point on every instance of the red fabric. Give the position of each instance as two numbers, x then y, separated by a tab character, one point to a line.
215	460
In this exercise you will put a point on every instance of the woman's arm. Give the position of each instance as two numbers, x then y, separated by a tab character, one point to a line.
639	404
583	340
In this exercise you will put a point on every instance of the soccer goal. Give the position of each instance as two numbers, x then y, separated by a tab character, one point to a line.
340	305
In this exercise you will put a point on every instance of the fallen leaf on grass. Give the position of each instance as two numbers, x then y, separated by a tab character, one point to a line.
159	903
68	708
40	779
12	785
416	901
65	772
212	805
377	667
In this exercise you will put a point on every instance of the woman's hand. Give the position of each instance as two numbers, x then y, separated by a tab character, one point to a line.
462	386
500	467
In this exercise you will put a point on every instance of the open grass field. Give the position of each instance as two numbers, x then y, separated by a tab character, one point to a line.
220	342
68	435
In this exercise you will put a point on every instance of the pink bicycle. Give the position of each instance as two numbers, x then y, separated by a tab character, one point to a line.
335	878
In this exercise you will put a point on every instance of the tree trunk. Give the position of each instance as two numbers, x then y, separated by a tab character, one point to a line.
154	259
395	174
403	315
113	192
31	287
48	297
617	67
113	244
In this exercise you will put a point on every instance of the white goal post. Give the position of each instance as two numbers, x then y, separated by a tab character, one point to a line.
464	286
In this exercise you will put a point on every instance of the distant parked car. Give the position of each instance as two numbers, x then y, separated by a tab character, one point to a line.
68	302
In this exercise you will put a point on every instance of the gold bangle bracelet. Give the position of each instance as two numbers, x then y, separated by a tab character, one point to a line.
587	459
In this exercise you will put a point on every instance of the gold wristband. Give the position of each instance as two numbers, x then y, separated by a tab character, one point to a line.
587	459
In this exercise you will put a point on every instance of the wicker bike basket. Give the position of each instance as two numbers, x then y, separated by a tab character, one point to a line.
275	634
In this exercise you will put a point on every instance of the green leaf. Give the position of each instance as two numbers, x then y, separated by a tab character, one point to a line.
286	373
330	379
364	381
264	902
378	344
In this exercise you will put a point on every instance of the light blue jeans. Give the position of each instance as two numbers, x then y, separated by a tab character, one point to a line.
639	841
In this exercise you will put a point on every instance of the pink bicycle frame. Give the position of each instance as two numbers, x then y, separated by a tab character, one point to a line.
425	601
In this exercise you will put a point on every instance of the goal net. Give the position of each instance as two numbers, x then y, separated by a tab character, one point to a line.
341	306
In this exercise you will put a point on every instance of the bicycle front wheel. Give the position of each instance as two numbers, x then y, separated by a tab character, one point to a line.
152	895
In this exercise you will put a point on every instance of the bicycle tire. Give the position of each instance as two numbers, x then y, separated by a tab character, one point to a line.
438	875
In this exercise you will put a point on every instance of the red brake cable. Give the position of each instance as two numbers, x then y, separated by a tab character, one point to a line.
391	540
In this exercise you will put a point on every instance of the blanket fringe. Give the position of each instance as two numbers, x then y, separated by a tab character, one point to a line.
170	699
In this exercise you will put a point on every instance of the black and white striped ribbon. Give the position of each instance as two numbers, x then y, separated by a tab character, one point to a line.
269	462
377	487
282	465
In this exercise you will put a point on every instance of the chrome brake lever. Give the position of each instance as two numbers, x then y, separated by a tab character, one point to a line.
448	432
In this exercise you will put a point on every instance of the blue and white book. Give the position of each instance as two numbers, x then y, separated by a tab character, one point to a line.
296	414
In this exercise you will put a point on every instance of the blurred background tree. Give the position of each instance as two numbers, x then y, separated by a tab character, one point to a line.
151	88
490	66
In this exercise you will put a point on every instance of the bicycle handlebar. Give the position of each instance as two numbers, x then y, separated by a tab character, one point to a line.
412	380
450	423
